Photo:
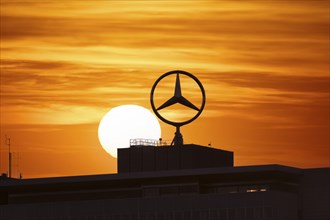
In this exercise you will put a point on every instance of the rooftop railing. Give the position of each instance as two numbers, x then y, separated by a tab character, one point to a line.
149	142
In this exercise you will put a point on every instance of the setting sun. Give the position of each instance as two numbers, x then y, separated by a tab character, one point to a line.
124	123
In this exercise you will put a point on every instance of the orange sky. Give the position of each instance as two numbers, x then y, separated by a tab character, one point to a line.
64	64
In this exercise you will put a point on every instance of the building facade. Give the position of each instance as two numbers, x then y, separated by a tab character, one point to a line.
218	191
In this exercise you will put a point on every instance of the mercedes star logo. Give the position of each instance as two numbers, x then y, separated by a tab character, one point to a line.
177	98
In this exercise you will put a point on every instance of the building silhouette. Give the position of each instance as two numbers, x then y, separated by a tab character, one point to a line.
169	183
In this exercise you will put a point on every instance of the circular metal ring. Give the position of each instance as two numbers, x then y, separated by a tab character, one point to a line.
177	124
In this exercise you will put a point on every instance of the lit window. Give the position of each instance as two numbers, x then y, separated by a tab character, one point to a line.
252	190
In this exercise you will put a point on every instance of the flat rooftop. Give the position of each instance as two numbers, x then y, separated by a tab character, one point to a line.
271	168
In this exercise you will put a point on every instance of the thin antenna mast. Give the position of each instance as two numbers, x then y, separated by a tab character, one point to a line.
17	164
9	156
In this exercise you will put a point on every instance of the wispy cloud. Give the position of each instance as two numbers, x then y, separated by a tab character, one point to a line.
261	62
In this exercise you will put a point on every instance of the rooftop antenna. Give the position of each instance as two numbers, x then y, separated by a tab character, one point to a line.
15	160
9	156
18	168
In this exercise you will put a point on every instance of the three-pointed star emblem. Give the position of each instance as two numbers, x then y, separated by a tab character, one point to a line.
178	98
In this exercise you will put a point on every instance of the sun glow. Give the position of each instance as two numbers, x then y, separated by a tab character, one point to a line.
126	122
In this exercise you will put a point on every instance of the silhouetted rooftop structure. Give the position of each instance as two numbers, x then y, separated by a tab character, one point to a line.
139	158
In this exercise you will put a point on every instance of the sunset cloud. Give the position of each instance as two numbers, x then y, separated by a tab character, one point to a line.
264	66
